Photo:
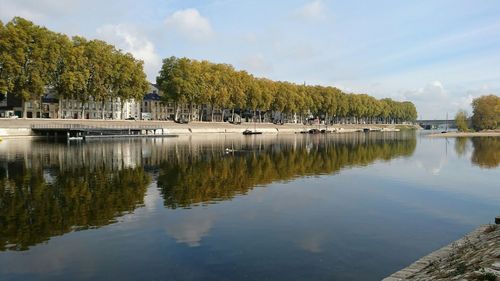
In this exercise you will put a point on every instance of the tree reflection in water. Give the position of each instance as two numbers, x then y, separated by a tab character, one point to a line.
486	151
49	189
38	202
187	181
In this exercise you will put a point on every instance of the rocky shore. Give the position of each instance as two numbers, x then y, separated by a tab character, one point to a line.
474	257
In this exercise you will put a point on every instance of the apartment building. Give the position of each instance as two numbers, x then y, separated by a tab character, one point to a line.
151	107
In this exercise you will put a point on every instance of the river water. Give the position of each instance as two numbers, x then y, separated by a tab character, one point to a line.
230	207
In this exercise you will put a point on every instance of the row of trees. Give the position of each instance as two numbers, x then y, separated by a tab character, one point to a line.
485	114
34	59
193	83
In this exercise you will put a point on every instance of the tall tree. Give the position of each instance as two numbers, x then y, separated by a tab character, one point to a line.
29	60
486	112
461	120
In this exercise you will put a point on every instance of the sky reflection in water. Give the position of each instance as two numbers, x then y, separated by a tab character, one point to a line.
349	207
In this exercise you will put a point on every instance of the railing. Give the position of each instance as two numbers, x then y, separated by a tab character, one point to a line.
93	127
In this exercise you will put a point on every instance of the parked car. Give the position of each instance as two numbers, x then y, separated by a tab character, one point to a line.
182	121
131	118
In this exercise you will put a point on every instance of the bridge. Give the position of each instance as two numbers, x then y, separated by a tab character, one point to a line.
79	131
435	124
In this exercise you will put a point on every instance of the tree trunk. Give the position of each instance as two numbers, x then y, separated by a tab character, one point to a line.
41	106
25	110
59	108
121	108
112	109
190	112
103	109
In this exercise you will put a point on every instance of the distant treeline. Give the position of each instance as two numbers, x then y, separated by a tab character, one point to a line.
191	82
34	59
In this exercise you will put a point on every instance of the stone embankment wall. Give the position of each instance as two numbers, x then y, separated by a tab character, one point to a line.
22	127
474	257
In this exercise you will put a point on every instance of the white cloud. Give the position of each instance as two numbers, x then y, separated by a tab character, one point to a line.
313	243
257	64
42	9
434	100
190	24
128	39
313	10
191	228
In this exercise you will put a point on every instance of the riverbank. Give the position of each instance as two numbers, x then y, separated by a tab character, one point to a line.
473	257
465	134
22	127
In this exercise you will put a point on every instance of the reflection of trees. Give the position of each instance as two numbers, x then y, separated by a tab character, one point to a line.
461	146
36	204
48	189
187	181
486	152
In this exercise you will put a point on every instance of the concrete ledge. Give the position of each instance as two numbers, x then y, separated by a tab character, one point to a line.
22	127
15	132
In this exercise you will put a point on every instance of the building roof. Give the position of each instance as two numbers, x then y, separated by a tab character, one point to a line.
152	97
153	93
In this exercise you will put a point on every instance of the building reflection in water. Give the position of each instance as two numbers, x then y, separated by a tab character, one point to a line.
49	189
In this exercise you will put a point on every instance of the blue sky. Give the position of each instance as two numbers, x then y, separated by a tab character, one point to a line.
438	54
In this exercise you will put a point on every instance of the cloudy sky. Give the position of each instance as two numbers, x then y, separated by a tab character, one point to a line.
438	54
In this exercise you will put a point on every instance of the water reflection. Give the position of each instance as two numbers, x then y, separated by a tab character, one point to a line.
49	189
485	150
461	146
186	180
51	192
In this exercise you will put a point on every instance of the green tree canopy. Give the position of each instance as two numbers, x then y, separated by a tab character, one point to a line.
461	120
188	82
486	112
34	60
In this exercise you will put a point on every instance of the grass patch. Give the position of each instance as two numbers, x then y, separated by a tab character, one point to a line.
488	276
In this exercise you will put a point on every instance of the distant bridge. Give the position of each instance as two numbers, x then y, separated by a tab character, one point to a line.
434	124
